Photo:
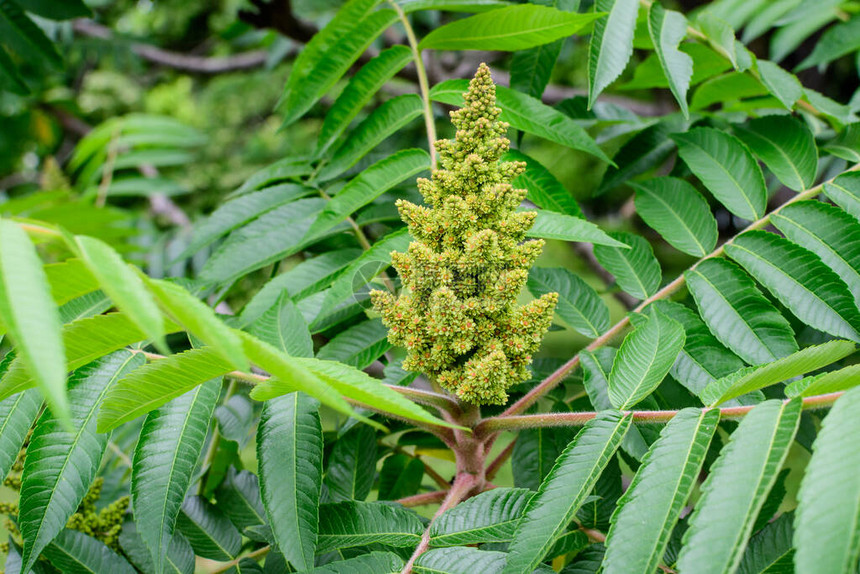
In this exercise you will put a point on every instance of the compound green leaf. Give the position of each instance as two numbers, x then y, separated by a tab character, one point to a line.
635	269
30	317
167	451
737	487
678	212
384	121
800	280
551	509
648	511
350	523
578	303
611	44
738	314
727	169
667	29
61	464
786	146
827	523
753	378
507	29
489	517
644	359
210	533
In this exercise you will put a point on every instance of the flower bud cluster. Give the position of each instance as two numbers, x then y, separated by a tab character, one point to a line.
458	317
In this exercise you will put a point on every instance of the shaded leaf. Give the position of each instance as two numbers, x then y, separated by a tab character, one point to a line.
544	190
578	303
352	465
209	532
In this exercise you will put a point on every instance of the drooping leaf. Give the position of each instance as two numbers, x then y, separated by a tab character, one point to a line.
349	524
644	359
726	168
753	378
210	533
635	269
489	517
611	44
352	465
827	527
844	191
828	232
387	119
736	488
330	53
562	493
678	212
578	303
73	551
359	345
290	450
153	385
17	414
527	114
800	280
738	314
30	316
168	449
283	327
370	184
360	89
667	29
786	146
544	190
508	29
551	225
60	463
649	509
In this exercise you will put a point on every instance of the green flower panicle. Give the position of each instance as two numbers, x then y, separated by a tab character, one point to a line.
458	316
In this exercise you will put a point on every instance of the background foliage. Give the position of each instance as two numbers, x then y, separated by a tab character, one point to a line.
234	406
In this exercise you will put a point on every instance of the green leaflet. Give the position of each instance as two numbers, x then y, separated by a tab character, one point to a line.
179	559
235	419
352	465
644	359
152	385
17	414
782	85
531	69
239	497
508	29
349	524
611	44
123	285
69	279
360	89
528	114
578	303
400	476
829	382
786	146
551	225
564	490
846	144
376	562
800	280
635	269
461	561
844	191
753	378
29	314
16	22
738	314
209	532
649	509
841	39
280	171
667	29
726	168
544	190
60	463
736	488
358	346
827	523
678	212
73	551
283	327
368	185
168	449
770	550
290	450
240	211
489	517
330	53
828	232
535	452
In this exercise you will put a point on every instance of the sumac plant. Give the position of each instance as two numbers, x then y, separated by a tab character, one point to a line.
399	352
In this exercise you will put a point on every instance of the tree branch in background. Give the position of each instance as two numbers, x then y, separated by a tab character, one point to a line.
278	15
